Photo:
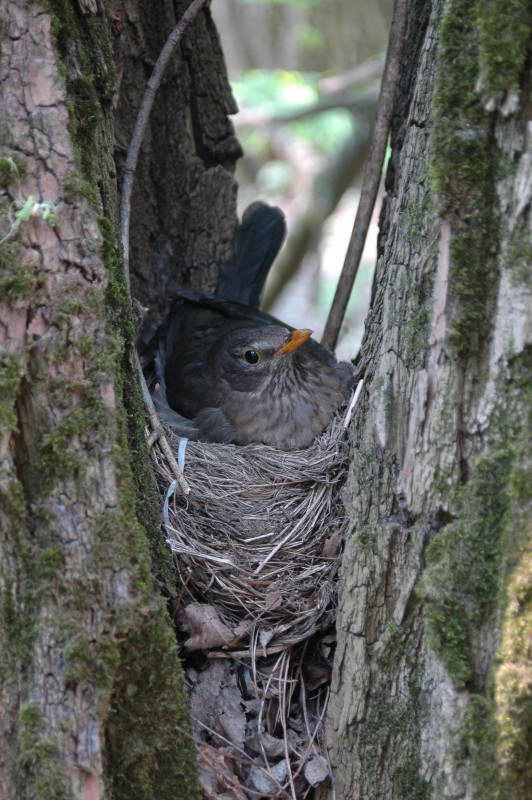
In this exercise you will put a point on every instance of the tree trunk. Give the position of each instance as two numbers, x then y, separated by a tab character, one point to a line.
432	688
92	701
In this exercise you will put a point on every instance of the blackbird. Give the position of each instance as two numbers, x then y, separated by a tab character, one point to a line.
227	372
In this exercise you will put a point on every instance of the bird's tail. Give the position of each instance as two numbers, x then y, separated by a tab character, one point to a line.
257	242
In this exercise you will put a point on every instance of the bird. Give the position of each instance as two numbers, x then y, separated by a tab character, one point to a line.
224	371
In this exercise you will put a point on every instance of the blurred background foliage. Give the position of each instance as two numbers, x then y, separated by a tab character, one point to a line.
306	75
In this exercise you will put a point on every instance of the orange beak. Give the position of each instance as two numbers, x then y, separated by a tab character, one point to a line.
297	338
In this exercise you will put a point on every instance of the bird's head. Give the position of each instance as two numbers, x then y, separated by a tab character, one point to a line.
246	356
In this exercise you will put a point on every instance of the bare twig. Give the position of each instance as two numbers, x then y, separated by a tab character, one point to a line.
158	429
372	175
335	92
247	759
284	717
254	118
328	188
125	204
362	73
142	121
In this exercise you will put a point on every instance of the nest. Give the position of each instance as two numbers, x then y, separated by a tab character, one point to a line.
256	535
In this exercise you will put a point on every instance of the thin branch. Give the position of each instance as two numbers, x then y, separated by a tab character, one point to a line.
125	206
372	175
335	92
328	188
158	428
142	121
255	117
362	73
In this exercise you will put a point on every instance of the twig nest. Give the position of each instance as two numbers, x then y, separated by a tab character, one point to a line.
257	539
256	535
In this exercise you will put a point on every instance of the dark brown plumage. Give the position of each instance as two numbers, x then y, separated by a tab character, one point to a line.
235	373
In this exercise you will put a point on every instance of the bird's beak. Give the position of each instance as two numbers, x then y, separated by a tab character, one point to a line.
296	339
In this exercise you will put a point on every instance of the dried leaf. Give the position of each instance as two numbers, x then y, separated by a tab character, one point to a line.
265	636
205	692
261	781
217	772
316	770
244	627
216	701
272	600
272	746
231	717
206	628
331	546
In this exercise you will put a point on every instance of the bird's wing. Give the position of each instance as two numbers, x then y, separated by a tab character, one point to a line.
179	424
346	371
214	426
257	242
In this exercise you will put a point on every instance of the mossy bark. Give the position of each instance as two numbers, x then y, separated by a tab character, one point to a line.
91	691
432	688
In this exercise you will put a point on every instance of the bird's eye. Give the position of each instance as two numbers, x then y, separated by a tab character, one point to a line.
251	356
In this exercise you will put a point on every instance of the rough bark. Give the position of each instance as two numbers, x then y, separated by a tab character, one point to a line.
91	696
183	205
432	687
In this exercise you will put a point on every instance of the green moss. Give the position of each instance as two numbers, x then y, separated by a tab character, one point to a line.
513	674
518	258
463	165
461	580
84	116
18	631
417	334
392	719
408	783
12	168
9	252
39	759
64	308
30	719
118	304
475	745
414	215
20	282
479	563
89	662
83	103
58	456
149	751
147	761
12	369
505	43
145	499
75	184
106	79
50	562
513	685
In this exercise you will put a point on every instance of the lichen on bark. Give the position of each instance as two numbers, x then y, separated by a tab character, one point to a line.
463	169
439	550
90	679
504	38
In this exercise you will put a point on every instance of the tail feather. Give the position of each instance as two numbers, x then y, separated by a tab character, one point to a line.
257	242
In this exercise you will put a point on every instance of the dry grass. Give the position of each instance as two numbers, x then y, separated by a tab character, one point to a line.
259	534
256	535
